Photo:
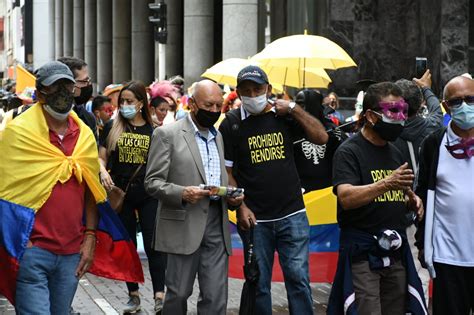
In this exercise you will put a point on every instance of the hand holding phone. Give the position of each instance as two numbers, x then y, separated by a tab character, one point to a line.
421	64
223	191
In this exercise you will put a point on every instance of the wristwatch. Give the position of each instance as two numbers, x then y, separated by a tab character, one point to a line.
291	106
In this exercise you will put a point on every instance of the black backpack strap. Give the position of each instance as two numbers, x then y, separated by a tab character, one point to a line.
235	122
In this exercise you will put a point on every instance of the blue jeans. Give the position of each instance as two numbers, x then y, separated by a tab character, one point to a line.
46	282
290	238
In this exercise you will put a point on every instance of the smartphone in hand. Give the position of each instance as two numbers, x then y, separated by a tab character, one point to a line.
223	191
421	64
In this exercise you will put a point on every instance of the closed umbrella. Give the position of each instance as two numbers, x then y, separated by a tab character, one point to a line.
252	273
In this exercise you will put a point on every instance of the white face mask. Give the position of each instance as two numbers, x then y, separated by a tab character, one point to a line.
56	115
255	105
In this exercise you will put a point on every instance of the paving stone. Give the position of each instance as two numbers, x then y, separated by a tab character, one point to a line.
97	295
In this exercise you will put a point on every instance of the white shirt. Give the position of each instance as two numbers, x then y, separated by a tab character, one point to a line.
453	241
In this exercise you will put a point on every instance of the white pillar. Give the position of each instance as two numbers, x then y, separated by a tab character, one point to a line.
78	44
90	37
41	36
68	25
198	38
58	29
142	36
121	54
52	30
240	28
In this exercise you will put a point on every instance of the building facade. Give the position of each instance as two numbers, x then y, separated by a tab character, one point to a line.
116	38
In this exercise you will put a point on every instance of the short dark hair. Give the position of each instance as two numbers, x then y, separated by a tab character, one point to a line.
376	92
73	63
412	95
156	101
98	101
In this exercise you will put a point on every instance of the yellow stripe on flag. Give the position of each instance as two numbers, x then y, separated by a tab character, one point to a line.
321	207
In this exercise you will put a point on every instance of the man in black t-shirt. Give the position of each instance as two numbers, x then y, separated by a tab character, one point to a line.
258	142
314	161
373	185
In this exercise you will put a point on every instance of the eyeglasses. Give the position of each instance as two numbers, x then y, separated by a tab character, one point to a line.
457	102
84	82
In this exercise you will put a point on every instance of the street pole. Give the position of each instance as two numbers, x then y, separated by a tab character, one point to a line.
161	62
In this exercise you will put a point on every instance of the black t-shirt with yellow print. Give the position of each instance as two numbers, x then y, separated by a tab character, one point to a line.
264	163
131	151
359	162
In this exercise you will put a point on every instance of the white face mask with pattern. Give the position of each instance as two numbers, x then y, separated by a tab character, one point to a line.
255	105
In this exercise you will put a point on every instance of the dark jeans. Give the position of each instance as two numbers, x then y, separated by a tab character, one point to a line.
290	238
453	290
146	206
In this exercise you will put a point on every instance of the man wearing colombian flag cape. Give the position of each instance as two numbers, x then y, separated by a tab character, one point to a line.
49	185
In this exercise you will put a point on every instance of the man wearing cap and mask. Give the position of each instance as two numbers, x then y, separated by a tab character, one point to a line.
51	149
375	204
83	90
258	140
192	225
445	183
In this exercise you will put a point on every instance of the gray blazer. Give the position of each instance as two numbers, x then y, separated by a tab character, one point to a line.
174	162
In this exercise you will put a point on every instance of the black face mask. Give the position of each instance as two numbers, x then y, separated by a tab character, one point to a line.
387	131
60	101
86	93
206	118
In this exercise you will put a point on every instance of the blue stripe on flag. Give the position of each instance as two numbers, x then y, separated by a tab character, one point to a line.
16	224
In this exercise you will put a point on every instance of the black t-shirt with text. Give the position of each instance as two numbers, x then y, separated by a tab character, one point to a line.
359	162
131	151
261	148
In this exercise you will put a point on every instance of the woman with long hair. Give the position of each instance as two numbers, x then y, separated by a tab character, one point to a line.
123	153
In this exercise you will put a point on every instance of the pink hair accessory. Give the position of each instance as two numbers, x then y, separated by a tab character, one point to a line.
163	89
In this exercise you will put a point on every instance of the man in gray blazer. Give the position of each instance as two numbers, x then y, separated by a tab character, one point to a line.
192	225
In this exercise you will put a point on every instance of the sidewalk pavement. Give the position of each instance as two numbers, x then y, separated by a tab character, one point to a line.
103	296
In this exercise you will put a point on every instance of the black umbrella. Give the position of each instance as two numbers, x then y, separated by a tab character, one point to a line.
251	272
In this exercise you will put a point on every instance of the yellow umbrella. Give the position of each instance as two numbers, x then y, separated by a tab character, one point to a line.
226	71
304	51
299	78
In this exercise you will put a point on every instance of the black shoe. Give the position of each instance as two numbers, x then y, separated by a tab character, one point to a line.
133	305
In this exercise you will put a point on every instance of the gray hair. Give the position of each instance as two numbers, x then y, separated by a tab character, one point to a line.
412	94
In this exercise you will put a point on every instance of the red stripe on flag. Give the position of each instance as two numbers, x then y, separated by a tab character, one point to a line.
8	269
322	266
116	260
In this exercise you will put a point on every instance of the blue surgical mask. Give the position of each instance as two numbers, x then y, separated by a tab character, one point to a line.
128	111
463	116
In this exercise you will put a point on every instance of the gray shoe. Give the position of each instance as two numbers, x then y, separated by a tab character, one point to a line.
133	305
158	305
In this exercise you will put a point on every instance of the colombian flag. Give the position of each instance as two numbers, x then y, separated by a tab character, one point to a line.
30	168
321	210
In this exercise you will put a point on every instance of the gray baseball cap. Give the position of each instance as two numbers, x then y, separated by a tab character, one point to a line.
52	72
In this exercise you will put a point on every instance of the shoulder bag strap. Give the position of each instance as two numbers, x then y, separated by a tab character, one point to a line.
133	176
